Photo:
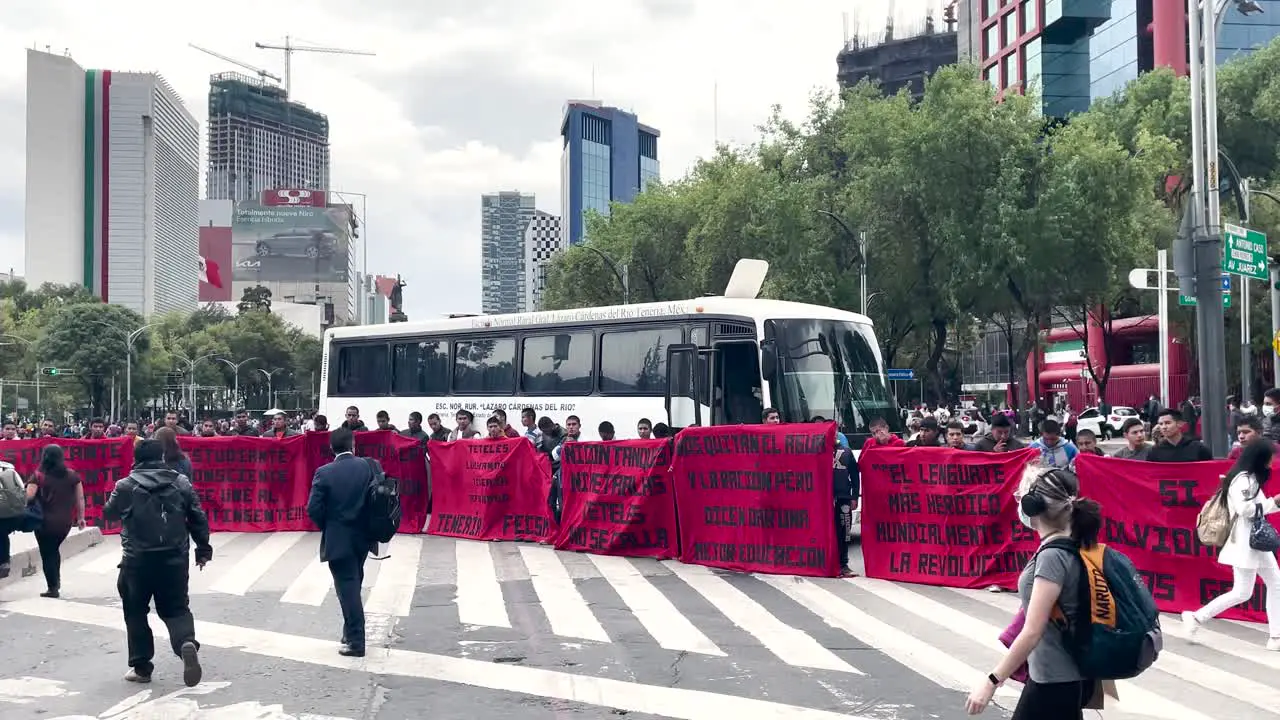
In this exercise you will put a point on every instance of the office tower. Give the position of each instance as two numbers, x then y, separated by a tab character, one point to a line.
542	241
1078	51
504	218
609	156
112	185
260	140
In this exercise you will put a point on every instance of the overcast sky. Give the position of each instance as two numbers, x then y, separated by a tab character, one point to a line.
463	96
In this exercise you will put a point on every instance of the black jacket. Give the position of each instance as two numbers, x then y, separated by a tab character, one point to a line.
136	541
336	506
1188	450
846	480
246	431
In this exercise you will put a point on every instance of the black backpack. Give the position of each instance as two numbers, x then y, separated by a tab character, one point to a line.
157	518
382	505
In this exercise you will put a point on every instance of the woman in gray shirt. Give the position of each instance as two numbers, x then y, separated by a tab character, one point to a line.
1049	587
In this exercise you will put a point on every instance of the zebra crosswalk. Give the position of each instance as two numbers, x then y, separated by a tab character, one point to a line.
837	632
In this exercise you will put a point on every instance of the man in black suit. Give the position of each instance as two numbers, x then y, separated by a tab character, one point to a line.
336	506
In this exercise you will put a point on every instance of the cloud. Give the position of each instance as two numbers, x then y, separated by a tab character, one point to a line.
463	96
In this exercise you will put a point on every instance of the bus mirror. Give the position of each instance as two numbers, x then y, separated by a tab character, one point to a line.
683	409
768	359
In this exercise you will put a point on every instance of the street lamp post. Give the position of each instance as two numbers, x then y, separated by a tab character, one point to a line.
861	239
235	367
1203	20
271	393
28	343
191	367
129	340
619	271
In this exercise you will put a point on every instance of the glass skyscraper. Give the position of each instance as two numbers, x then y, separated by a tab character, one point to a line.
1074	52
504	217
609	156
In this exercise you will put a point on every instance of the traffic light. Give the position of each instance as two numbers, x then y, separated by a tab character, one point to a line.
49	371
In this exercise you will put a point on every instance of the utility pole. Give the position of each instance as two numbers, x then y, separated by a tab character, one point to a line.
289	49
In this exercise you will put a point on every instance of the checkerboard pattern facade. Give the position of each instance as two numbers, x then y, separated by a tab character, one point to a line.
542	241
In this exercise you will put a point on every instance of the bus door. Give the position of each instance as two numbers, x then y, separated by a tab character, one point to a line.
686	386
719	385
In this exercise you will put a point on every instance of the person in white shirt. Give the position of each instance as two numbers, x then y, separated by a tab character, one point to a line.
1243	487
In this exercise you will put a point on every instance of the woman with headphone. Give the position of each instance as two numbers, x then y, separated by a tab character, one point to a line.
1244	491
1048	503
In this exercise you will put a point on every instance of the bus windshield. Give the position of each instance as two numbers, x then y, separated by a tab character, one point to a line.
828	368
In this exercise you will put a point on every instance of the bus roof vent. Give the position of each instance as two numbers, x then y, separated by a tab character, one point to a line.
454	316
747	279
734	329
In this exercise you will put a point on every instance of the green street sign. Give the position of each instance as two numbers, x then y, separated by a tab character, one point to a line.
1190	301
1245	253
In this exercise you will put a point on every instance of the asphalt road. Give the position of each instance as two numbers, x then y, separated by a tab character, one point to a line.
527	632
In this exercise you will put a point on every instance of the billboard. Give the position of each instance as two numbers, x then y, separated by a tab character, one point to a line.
295	197
290	243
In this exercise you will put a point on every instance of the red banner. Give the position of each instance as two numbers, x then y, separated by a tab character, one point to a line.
757	498
249	484
99	463
245	484
401	457
944	517
618	499
491	490
1149	513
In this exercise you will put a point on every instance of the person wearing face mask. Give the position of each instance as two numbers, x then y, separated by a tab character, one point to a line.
1270	421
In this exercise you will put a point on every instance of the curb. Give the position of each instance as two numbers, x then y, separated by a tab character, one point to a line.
25	563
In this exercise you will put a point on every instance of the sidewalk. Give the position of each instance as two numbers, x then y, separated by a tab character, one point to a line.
25	559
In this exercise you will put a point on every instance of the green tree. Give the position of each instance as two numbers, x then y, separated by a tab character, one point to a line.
255	299
89	341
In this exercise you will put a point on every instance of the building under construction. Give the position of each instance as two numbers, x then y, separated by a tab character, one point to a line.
899	57
260	140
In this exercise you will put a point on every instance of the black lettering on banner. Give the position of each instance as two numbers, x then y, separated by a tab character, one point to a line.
1178	493
1159	539
967	504
740	444
1021	533
1162	585
948	474
525	527
614	513
619	540
975	565
617	484
1211	588
904	503
899	562
897	473
796	556
754	480
928	533
256	515
459	524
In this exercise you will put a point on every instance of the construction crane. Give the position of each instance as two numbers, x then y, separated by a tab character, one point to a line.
261	73
289	49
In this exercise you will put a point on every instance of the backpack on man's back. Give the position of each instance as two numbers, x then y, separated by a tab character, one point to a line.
13	494
382	504
1117	634
157	518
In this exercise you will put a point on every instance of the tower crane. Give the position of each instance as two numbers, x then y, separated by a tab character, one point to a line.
261	73
289	49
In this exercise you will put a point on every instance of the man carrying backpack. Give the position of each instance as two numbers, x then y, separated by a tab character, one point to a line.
159	515
13	506
338	505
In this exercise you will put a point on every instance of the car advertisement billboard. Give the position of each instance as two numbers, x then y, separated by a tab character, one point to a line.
290	243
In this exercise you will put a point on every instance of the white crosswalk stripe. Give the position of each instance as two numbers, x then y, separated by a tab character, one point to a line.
852	627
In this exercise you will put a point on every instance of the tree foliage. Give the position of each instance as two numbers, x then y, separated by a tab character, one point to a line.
974	211
66	327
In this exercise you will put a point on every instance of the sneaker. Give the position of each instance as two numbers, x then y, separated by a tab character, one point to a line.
1191	624
4	570
49	594
191	671
1274	644
134	676
845	572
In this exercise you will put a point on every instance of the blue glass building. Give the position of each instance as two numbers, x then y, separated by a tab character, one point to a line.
1077	51
609	156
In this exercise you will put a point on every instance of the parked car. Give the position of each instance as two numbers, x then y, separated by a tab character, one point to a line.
308	243
1105	426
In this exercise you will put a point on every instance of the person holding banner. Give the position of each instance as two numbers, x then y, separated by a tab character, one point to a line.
1174	445
1242	492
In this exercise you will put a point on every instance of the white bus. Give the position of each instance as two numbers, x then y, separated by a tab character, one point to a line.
707	361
